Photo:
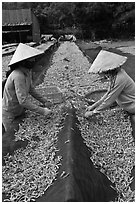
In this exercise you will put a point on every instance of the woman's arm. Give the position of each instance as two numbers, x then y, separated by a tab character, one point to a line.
22	95
37	96
96	104
112	95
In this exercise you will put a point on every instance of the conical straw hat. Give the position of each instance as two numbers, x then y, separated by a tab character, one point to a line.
23	52
106	61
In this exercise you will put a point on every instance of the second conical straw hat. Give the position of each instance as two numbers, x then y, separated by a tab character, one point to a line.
106	61
23	52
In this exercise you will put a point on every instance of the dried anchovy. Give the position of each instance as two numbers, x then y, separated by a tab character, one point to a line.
112	148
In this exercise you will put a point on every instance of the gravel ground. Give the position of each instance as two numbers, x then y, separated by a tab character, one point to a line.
5	62
108	135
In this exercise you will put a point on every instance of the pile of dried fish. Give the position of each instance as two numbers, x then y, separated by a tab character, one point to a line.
109	138
30	172
69	71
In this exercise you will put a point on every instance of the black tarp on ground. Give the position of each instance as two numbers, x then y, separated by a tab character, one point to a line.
78	180
132	185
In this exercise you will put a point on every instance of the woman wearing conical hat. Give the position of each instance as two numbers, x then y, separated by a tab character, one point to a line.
19	85
121	86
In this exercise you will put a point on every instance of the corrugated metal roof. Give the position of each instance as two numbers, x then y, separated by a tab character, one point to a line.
16	17
15	31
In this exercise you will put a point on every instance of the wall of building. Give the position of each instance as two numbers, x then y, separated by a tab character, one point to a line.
35	29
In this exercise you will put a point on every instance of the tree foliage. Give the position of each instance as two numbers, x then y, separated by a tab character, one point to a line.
94	20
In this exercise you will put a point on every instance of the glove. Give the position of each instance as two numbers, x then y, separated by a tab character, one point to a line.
91	113
46	111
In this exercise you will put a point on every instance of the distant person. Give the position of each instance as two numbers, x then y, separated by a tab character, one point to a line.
121	86
19	85
71	38
53	39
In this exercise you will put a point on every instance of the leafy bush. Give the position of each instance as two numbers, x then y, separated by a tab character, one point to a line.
91	20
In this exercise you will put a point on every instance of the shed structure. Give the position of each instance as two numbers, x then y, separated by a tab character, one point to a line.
20	25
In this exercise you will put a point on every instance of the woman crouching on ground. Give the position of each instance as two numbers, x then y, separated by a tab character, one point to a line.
19	85
121	86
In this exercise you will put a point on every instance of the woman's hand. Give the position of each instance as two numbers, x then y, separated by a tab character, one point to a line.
91	113
46	111
48	104
89	108
89	101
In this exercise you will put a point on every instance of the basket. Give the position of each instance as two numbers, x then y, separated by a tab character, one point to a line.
52	93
